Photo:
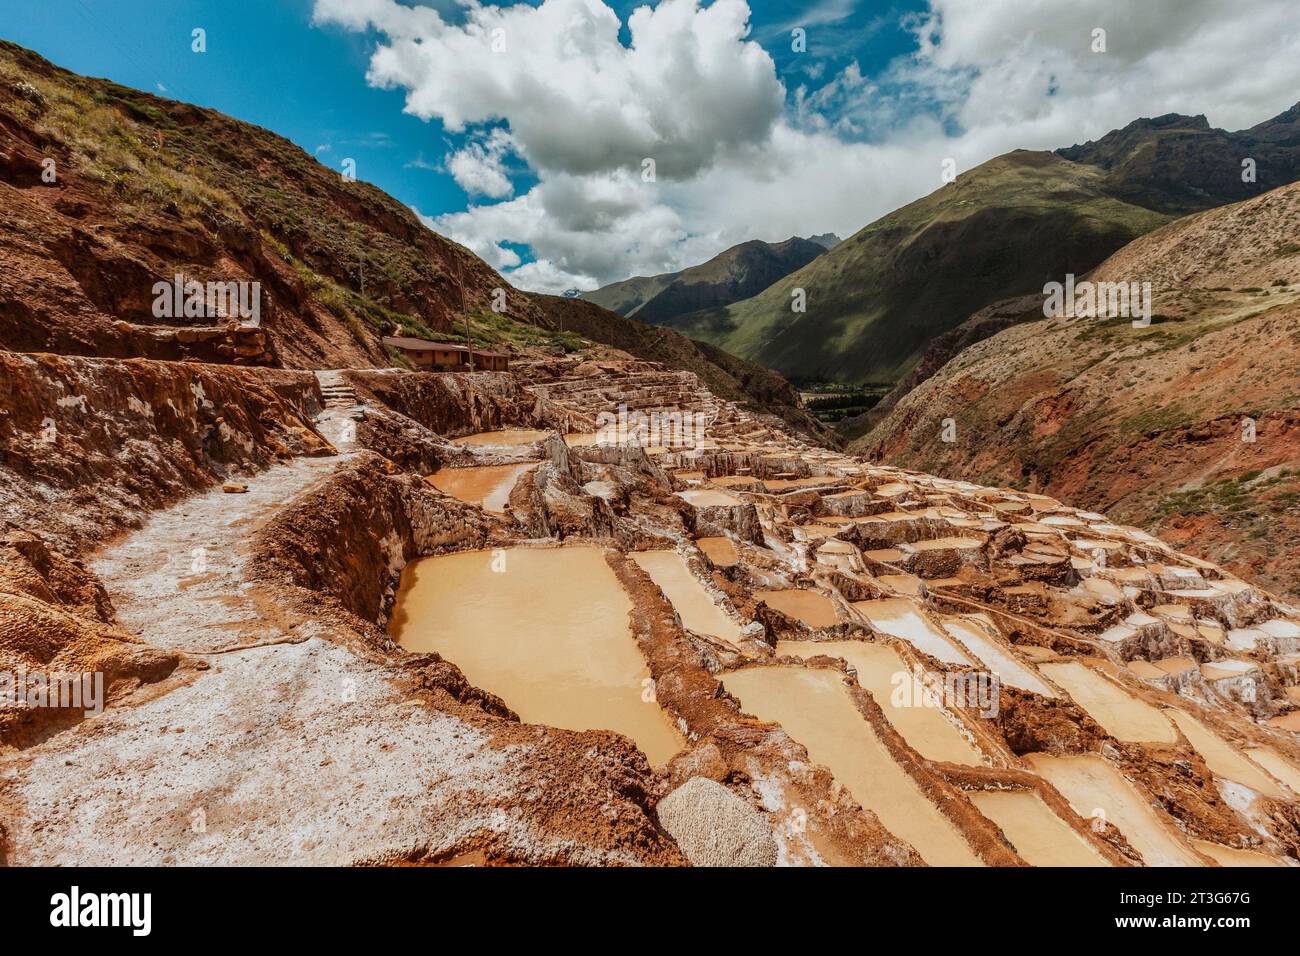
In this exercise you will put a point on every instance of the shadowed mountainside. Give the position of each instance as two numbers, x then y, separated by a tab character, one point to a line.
737	273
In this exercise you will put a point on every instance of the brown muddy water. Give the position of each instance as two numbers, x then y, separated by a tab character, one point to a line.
693	603
721	551
545	629
810	607
487	486
1123	715
1040	837
1094	788
814	708
708	498
508	437
882	673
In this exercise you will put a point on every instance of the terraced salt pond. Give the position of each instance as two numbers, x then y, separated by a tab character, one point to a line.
1092	786
901	618
487	486
545	629
1039	835
814	708
1221	758
881	672
1121	714
810	607
507	437
1000	662
1230	856
721	551
693	603
708	498
1281	768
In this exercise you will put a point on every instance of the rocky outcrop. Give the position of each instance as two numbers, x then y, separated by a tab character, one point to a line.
57	625
347	539
451	404
89	446
714	827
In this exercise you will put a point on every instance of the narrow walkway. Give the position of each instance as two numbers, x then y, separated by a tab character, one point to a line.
179	581
343	411
277	752
335	389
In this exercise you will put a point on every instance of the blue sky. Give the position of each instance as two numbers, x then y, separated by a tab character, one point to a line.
534	159
266	63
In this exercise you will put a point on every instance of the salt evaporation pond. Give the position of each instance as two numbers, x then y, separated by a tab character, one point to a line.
1040	837
814	708
487	486
1119	712
881	672
689	599
1095	789
901	618
548	633
506	438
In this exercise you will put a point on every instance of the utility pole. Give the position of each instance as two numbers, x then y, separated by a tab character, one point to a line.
469	343
460	283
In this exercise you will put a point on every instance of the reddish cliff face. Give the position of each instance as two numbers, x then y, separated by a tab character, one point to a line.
1189	428
108	190
91	446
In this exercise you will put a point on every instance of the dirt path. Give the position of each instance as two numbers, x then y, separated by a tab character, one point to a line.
180	583
287	748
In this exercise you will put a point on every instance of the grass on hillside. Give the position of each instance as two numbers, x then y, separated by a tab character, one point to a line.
876	300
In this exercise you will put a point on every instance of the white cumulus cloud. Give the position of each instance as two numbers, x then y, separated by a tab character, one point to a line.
737	155
479	166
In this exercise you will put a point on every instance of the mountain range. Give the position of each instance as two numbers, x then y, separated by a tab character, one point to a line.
1002	229
737	273
144	189
1189	428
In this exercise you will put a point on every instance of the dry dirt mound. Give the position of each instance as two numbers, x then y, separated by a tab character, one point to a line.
57	619
714	827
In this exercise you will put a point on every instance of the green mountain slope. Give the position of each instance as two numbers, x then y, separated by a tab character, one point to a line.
737	273
875	300
1002	230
